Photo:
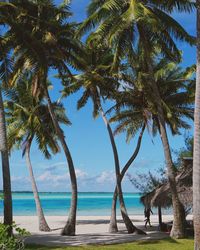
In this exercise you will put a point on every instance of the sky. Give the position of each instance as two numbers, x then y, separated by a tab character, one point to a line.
89	143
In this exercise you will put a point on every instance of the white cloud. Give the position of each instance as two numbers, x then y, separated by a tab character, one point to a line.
17	178
20	179
55	166
48	176
81	174
105	177
83	178
50	180
59	179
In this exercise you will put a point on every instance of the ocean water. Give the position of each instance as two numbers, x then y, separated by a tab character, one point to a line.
58	203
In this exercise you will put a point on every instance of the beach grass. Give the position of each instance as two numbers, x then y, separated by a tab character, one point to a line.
166	244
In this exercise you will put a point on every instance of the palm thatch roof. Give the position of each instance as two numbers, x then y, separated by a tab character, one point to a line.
161	196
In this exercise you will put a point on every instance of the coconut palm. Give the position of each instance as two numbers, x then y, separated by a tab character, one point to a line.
123	23
97	83
196	163
28	119
175	87
43	39
120	24
5	70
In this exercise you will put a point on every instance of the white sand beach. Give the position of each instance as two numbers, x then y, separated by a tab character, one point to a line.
89	230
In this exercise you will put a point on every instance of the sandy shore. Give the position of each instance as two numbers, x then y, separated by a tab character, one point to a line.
89	230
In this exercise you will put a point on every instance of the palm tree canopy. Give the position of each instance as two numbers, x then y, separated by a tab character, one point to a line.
6	62
28	117
94	76
134	103
40	36
122	24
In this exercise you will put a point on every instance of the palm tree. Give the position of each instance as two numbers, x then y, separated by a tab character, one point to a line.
97	82
133	107
121	24
113	219
43	39
5	70
28	118
196	163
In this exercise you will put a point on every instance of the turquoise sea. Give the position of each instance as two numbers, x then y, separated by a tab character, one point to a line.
58	203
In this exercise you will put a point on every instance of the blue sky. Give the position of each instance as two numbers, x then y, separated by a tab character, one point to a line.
89	143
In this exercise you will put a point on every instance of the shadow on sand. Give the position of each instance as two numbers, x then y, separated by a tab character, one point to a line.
87	239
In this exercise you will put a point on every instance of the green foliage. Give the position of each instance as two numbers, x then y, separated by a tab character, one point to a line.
135	104
186	151
147	182
38	37
167	244
28	117
121	23
15	242
94	77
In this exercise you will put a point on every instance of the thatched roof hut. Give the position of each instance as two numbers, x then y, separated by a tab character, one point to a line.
161	196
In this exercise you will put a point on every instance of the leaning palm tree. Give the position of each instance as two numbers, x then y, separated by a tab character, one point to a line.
42	39
123	23
97	83
5	70
196	163
131	132
132	104
28	119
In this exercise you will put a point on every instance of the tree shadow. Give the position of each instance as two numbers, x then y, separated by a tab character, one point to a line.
98	221
93	239
168	240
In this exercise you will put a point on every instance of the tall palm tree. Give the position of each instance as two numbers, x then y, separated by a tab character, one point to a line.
121	24
196	163
5	70
97	82
43	39
28	118
133	104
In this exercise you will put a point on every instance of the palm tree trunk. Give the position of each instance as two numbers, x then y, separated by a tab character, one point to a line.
113	220
8	216
160	217
178	228
43	226
129	225
70	226
196	163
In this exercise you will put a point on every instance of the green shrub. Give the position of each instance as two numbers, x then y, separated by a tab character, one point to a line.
14	242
